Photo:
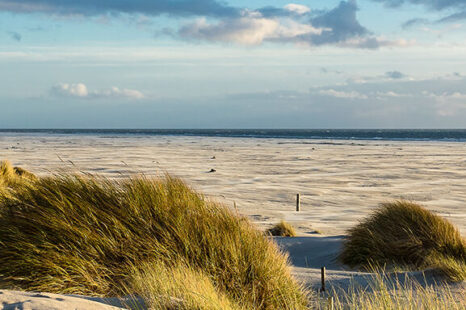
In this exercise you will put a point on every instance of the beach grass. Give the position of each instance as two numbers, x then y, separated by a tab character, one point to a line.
158	238
387	293
178	286
282	229
403	233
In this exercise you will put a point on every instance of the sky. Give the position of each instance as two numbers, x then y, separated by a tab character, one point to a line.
233	64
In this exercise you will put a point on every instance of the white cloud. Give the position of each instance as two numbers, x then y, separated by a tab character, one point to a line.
297	8
342	94
390	94
80	90
120	93
250	29
445	95
72	90
244	30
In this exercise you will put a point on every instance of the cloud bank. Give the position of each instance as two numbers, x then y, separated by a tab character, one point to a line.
400	103
432	4
221	22
437	102
459	6
146	7
338	26
80	91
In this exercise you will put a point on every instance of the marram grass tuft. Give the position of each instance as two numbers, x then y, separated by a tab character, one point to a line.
282	229
406	234
81	234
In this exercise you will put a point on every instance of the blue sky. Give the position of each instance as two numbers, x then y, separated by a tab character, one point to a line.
241	64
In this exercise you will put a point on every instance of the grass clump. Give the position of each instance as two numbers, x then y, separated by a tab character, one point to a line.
81	234
282	229
179	287
404	233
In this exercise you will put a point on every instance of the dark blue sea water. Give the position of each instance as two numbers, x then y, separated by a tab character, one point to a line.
457	135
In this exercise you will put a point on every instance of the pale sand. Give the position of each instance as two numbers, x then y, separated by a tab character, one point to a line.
340	181
14	300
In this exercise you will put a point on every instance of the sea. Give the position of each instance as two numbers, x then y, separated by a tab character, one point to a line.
451	135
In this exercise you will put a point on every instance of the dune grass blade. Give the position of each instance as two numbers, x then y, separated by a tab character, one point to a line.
404	233
84	235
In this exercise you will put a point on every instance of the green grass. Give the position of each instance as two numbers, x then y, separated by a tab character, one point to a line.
282	229
406	234
81	234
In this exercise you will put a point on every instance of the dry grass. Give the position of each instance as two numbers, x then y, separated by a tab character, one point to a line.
282	229
80	234
405	234
178	287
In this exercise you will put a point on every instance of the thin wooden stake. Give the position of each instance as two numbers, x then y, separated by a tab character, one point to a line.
322	274
298	203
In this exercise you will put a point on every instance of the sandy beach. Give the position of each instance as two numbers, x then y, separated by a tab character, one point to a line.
339	181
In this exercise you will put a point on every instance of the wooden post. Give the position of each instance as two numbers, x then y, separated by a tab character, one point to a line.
298	203
322	274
